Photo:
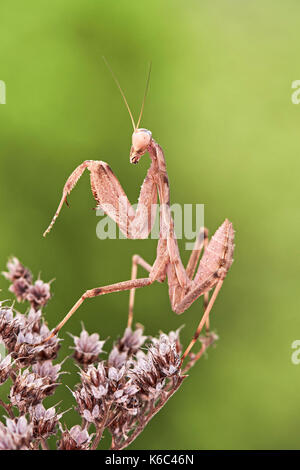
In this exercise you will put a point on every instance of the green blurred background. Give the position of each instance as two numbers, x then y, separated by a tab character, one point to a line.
220	105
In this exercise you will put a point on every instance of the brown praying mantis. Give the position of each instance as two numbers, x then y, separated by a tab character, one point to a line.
185	284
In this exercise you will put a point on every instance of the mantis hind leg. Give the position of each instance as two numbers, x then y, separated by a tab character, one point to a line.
178	293
156	273
211	273
200	244
203	320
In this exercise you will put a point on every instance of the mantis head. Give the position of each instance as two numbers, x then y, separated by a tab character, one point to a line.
141	139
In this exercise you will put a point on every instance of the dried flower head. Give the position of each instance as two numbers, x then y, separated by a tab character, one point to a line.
162	361
16	270
132	341
75	439
10	327
22	336
5	368
208	339
29	348
49	349
20	289
34	320
174	337
49	373
92	392
44	421
47	370
16	435
87	347
38	294
116	358
29	390
130	344
25	351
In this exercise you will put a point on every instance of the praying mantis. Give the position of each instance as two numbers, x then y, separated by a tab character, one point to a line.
185	284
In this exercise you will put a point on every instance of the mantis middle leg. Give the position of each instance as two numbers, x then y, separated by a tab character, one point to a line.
117	287
136	260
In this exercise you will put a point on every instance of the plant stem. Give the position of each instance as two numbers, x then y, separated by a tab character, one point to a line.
7	409
141	427
44	444
100	430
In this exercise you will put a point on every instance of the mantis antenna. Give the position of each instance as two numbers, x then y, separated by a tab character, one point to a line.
121	91
144	99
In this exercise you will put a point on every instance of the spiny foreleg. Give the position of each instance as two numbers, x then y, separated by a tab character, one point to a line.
110	197
70	183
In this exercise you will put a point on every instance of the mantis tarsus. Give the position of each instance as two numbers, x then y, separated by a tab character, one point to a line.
184	285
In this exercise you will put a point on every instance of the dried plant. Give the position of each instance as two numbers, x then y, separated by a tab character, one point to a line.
120	393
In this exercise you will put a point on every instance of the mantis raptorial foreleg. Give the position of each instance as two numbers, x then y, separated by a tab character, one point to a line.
110	197
69	185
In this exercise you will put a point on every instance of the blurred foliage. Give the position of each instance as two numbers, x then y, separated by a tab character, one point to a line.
220	105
